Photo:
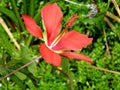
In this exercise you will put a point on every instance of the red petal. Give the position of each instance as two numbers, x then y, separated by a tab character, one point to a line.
50	56
31	26
73	41
52	17
77	56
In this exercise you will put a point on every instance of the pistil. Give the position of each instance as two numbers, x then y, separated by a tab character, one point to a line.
68	25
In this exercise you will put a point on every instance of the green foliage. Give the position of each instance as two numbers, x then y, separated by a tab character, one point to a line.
10	14
43	76
21	75
9	48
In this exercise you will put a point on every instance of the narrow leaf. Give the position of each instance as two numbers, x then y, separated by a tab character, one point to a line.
10	14
7	45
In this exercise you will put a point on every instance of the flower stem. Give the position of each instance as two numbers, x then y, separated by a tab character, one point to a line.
71	84
67	75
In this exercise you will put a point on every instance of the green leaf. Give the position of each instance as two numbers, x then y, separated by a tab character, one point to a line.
30	76
26	57
2	70
33	69
7	44
71	75
20	75
18	82
10	14
25	54
66	68
65	65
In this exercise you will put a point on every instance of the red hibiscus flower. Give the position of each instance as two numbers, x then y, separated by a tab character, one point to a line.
57	44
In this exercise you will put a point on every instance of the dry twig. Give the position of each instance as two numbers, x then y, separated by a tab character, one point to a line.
111	26
14	71
116	6
105	70
106	43
9	33
109	14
